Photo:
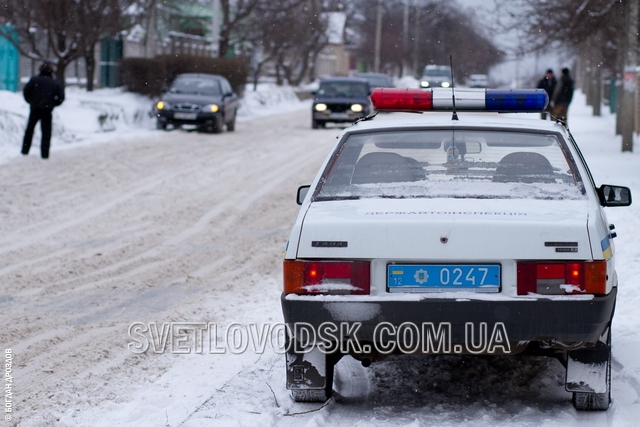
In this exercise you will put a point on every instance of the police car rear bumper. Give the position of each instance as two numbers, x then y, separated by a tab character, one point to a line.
565	322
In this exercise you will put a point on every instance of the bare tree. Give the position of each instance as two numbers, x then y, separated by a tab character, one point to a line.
593	24
234	14
289	34
597	30
61	31
437	30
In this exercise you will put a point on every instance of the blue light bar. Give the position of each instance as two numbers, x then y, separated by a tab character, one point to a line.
516	100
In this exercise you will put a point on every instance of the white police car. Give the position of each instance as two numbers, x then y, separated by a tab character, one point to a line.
433	233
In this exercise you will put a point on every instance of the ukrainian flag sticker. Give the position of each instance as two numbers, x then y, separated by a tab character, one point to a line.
605	244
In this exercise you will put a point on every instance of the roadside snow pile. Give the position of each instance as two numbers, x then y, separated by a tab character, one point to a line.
104	110
83	117
266	97
99	116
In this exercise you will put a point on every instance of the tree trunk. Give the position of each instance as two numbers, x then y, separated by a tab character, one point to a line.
223	45
90	66
629	82
61	67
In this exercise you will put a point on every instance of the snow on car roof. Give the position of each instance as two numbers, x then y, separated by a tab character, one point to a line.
521	121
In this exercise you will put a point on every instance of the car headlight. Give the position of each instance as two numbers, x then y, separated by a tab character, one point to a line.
210	108
320	107
356	108
445	84
161	105
424	83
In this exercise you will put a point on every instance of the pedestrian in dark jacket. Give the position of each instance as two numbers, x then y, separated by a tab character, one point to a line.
562	96
548	83
43	93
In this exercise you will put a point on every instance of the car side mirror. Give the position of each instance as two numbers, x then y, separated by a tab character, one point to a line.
314	92
613	195
302	193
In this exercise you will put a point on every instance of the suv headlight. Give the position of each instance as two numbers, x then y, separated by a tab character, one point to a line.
161	105
320	107
357	108
445	84
424	83
210	108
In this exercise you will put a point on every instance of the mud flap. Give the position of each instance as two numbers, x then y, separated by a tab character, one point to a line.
587	369
306	369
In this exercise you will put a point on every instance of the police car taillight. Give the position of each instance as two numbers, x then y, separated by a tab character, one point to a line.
439	99
326	277
560	278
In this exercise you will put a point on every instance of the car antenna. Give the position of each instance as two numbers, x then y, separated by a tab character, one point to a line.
453	93
364	119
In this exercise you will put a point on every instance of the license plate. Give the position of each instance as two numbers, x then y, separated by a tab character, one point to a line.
443	277
339	115
185	116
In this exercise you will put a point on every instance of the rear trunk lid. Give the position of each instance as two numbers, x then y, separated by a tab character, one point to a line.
446	229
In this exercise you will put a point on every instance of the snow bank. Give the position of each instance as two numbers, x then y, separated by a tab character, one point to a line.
99	116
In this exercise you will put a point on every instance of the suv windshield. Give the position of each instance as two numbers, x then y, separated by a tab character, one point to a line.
198	85
448	163
343	89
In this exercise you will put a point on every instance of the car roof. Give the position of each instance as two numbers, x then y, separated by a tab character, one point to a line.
371	75
344	79
466	119
213	76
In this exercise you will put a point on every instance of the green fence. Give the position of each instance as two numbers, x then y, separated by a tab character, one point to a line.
8	60
110	56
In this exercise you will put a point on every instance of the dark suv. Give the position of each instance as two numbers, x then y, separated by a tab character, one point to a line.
204	100
340	100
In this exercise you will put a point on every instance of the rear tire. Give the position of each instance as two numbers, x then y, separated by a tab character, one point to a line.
217	125
317	396
595	401
231	126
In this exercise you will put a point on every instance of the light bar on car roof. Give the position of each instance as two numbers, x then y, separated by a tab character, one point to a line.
437	99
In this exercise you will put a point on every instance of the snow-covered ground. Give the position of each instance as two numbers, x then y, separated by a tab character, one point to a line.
127	224
105	114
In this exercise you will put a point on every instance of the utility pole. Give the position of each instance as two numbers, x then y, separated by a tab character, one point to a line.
629	81
376	57
596	74
216	24
405	40
416	38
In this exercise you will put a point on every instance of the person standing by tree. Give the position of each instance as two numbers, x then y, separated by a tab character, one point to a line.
43	93
562	96
548	83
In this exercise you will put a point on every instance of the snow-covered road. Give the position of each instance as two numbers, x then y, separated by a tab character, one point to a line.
188	227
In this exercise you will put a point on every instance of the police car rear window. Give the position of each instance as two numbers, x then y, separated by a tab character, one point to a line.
452	163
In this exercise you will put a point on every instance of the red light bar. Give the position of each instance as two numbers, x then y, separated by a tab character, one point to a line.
402	99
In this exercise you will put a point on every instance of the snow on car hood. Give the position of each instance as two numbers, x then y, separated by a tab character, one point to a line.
445	229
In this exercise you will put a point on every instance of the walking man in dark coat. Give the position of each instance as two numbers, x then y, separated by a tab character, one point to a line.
548	83
562	96
43	93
